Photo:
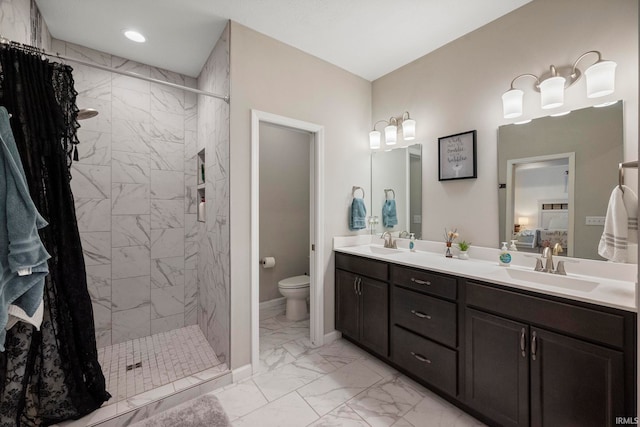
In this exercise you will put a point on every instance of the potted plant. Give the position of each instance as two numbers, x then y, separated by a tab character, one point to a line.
464	247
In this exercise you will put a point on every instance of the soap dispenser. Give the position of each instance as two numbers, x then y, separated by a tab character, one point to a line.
412	242
513	247
505	256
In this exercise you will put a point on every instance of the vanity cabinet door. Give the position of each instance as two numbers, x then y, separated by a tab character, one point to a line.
497	368
362	310
574	383
374	330
347	304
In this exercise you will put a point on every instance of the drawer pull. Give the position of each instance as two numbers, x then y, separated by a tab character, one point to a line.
420	282
420	357
421	315
523	342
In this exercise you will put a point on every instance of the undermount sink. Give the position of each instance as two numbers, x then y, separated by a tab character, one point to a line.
556	280
375	249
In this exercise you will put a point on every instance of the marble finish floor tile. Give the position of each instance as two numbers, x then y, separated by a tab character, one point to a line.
288	411
337	384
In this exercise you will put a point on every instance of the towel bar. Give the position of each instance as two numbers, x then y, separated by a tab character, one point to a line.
356	188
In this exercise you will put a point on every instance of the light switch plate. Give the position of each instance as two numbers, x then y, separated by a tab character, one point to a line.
594	220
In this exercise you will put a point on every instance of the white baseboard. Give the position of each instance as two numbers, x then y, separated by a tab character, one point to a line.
242	372
331	337
272	308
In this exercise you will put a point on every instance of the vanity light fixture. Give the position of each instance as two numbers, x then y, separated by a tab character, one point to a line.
135	36
600	78
391	131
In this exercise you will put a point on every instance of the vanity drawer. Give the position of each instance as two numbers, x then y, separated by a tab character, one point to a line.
424	281
430	362
428	316
582	322
363	266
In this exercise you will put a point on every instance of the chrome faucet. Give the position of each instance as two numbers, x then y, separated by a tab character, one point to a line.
388	243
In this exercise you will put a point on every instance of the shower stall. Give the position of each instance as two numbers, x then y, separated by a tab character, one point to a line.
157	273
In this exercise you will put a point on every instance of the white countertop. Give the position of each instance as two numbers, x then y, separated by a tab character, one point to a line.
596	282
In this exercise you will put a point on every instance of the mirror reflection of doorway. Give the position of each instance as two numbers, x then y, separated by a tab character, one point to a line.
540	209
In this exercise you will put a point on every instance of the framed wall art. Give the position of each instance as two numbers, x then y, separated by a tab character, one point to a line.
457	156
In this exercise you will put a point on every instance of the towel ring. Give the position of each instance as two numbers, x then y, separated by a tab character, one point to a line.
386	193
621	167
356	188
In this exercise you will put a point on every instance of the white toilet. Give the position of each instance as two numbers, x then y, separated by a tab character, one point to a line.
296	290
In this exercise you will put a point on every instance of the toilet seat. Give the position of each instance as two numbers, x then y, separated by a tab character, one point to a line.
294	282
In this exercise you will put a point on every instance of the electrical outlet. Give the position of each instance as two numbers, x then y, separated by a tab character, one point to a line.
594	220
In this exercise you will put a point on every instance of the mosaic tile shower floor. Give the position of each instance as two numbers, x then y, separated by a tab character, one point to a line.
137	366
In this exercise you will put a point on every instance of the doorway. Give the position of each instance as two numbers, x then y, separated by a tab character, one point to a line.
315	138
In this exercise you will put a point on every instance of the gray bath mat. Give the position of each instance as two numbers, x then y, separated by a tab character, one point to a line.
205	411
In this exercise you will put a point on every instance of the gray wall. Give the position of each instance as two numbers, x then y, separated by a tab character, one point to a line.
284	205
270	76
459	87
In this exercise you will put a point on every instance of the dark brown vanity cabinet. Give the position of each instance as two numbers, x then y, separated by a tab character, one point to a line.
362	302
510	357
424	332
538	362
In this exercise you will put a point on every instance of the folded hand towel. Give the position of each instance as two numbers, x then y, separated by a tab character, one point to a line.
357	217
620	225
389	214
23	258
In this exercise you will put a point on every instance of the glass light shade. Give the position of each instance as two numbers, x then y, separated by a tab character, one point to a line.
601	79
552	92
409	129
390	134
374	139
512	103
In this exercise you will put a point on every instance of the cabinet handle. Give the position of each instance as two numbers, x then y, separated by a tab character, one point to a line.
420	357
534	345
420	282
523	342
421	315
359	285
355	285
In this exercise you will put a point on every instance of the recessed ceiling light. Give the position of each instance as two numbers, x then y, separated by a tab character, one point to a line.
135	36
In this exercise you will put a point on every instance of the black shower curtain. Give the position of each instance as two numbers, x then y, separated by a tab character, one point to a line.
53	374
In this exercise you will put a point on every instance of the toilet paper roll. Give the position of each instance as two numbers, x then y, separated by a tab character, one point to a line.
268	262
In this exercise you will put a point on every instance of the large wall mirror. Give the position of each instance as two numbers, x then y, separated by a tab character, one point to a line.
555	175
397	175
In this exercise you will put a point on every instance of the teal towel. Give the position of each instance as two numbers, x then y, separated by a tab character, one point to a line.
389	214
357	217
20	245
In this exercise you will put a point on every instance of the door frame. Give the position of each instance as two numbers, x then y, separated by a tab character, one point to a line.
316	257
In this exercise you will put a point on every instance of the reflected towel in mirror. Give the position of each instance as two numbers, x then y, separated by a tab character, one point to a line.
389	214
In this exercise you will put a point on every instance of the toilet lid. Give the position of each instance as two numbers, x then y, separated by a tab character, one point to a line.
295	282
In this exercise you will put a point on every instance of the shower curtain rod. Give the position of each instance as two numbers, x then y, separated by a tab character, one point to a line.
6	41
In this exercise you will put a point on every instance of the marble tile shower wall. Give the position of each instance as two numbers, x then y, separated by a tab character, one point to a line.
213	259
135	210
